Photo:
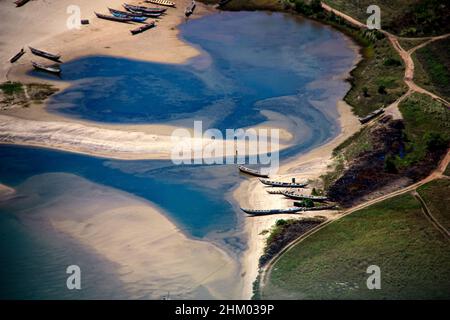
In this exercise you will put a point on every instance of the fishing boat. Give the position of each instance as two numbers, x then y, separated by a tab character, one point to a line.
50	56
17	56
292	184
140	29
297	196
143	9
252	172
145	14
271	211
190	9
133	18
20	3
371	116
51	69
113	18
166	3
117	13
328	207
222	3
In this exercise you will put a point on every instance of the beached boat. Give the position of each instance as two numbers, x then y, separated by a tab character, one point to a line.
154	15
297	196
20	3
271	191
166	3
133	18
113	18
292	184
371	116
252	172
190	9
271	211
50	56
328	207
143	28
50	69
17	56
143	9
117	13
222	3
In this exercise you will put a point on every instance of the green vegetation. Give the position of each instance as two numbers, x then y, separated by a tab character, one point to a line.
427	128
11	88
285	231
432	67
436	196
394	235
16	93
378	79
410	18
409	43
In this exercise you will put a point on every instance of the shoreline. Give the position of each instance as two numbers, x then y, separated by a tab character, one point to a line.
304	166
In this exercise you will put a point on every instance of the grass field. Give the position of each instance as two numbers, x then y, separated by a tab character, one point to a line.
432	67
436	195
413	256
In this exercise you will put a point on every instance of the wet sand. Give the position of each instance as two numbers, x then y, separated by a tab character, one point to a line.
149	254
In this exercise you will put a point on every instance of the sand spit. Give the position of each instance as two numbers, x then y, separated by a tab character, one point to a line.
151	256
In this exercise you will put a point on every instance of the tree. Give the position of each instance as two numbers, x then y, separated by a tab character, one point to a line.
382	90
365	91
434	141
389	164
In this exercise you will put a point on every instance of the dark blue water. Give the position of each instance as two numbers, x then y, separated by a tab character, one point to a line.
250	62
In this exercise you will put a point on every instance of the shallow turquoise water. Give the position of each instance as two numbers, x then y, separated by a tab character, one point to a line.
252	61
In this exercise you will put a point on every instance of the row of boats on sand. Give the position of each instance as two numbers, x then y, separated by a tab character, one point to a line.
291	194
54	69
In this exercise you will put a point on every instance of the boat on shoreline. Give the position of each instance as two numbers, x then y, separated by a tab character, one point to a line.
143	9
20	3
143	28
271	211
165	3
190	9
371	116
133	18
114	18
279	184
222	3
50	69
17	56
47	55
328	207
297	196
252	172
133	14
